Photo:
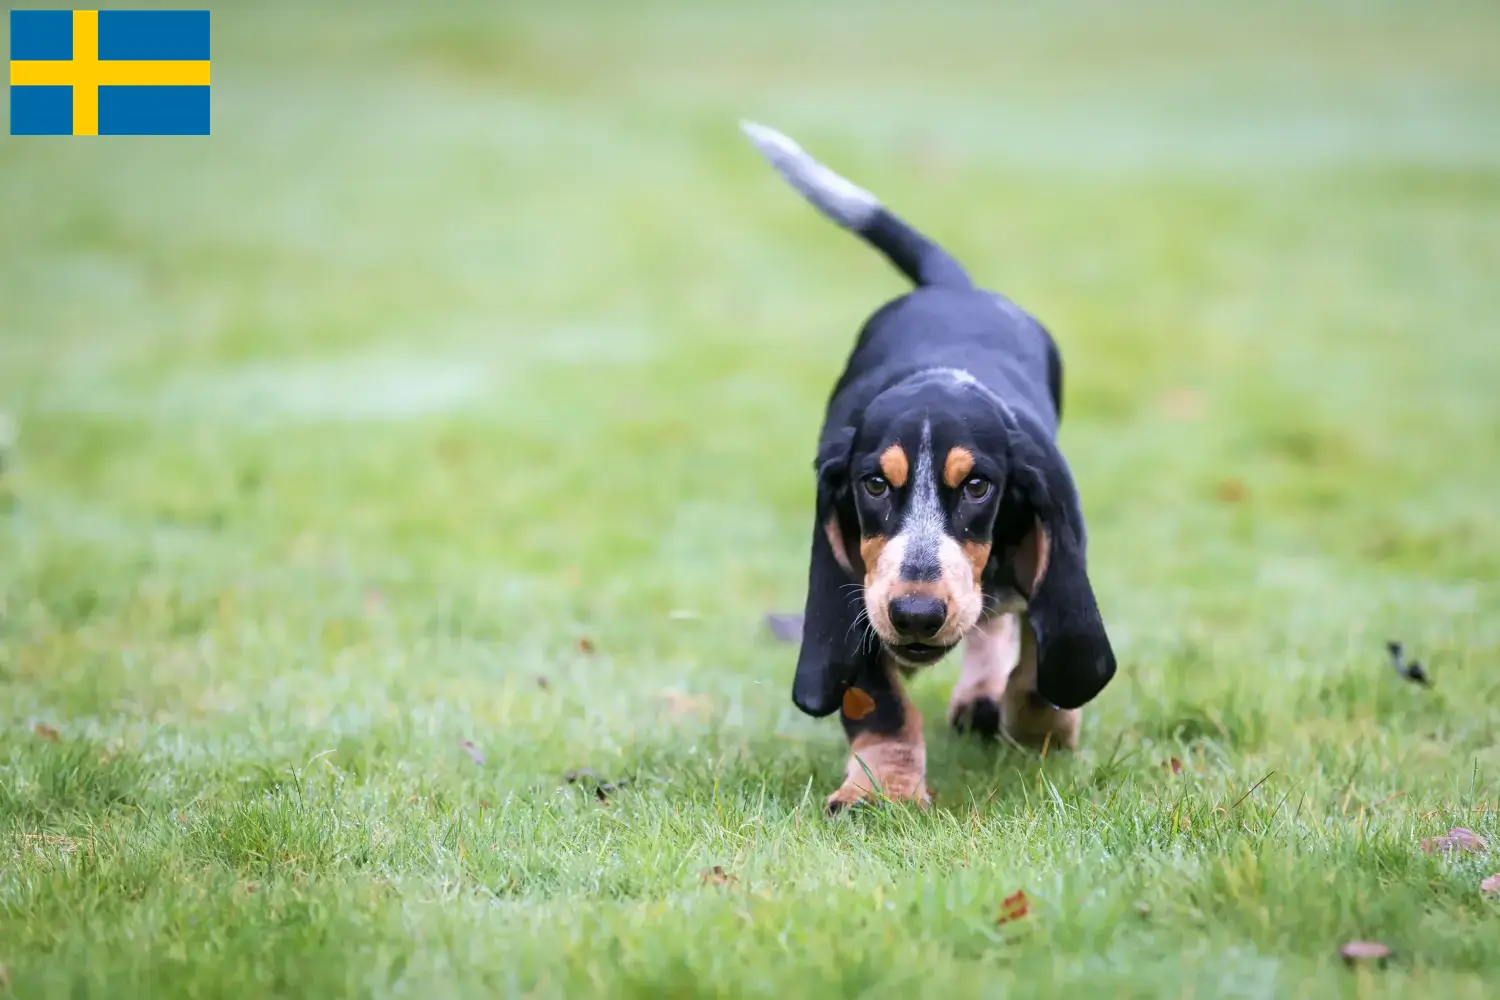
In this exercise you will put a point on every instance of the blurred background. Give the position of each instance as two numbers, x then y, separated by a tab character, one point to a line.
493	303
470	284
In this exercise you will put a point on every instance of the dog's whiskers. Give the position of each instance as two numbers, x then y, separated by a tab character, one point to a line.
862	621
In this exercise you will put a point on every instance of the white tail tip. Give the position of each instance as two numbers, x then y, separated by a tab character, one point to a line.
843	201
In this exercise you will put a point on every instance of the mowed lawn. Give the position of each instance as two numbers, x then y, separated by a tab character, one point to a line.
464	385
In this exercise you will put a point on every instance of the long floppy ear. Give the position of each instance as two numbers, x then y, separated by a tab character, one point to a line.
1074	657
835	644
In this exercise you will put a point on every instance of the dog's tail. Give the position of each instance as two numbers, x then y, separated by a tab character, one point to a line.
856	209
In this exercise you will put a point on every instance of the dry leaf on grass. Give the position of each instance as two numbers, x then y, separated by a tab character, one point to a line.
716	875
602	789
1174	765
682	703
1231	491
1491	884
1183	404
586	646
1411	671
475	754
46	732
606	788
1365	951
857	704
1013	907
1456	840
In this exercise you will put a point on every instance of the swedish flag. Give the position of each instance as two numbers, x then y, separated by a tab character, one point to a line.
111	72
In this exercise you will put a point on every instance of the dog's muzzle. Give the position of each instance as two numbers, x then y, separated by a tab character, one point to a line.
916	620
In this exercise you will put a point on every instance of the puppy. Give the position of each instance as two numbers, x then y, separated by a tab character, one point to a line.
944	512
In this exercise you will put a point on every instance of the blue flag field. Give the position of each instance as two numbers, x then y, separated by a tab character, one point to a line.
112	72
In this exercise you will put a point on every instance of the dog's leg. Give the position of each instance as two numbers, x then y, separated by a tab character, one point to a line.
1026	718
991	651
885	741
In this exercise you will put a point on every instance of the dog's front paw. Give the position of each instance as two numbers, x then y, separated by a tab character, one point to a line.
980	716
895	788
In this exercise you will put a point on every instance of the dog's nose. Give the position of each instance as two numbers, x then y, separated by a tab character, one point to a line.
918	617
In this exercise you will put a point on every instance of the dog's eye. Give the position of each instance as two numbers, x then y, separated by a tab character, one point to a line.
977	489
876	486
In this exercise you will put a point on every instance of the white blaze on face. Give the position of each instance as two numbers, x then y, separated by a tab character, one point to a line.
924	524
923	559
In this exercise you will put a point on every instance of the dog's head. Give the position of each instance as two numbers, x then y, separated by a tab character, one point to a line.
940	504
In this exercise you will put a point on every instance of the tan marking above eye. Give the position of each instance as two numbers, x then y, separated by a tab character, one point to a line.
893	465
958	466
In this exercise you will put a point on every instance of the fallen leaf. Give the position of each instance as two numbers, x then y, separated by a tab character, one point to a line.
785	626
1491	884
1411	671
682	703
602	789
606	788
1457	839
1364	951
1013	907
1470	840
1231	491
586	646
1183	404
475	754
857	704
46	732
716	875
1174	765
929	153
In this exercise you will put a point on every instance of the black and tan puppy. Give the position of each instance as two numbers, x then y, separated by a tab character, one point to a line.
944	512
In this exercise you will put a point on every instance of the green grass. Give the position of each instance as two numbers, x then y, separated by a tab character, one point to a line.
476	332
